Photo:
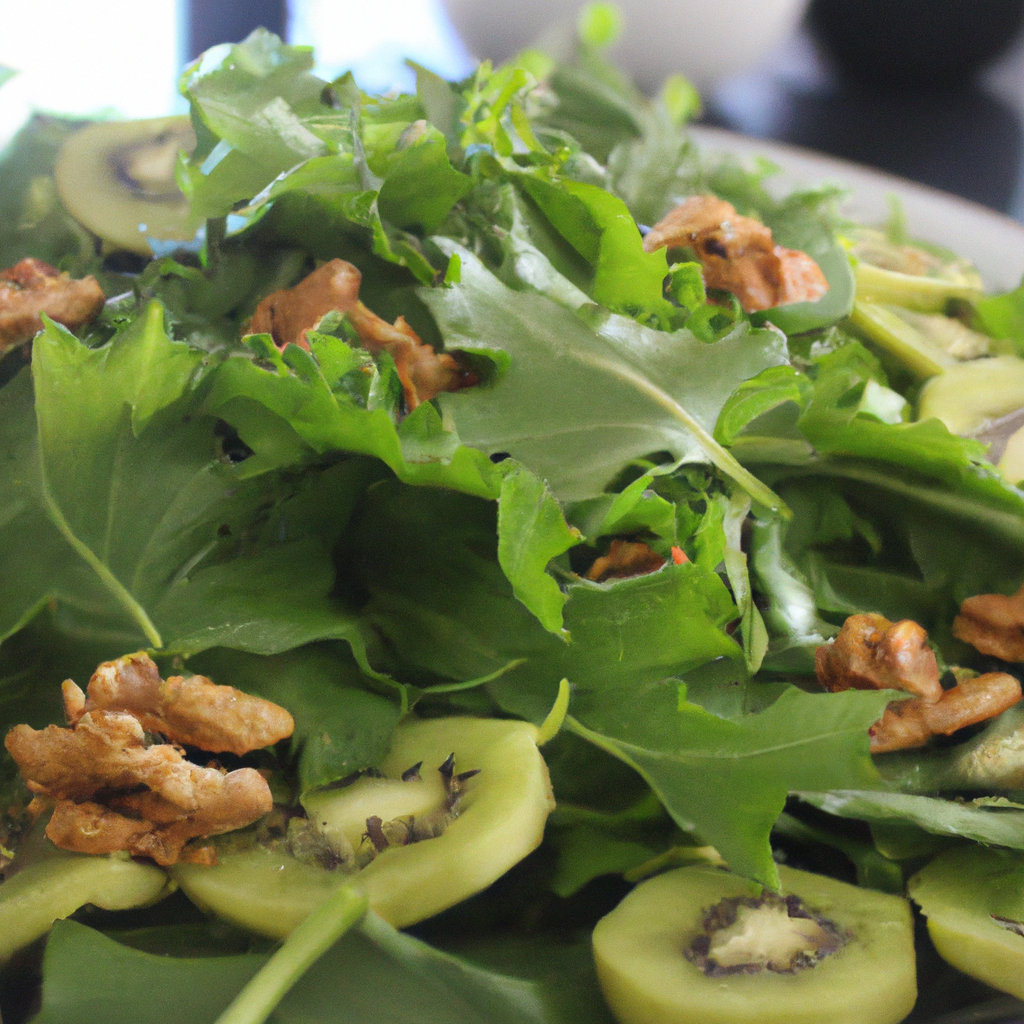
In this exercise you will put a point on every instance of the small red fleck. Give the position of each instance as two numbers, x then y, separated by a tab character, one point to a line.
678	556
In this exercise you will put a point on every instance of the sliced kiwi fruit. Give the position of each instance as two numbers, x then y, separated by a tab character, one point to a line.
53	884
117	179
973	897
427	833
969	395
909	274
702	946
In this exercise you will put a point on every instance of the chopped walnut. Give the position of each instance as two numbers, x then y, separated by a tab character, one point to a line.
872	653
288	314
911	723
148	827
115	790
737	254
994	624
192	711
625	558
104	752
31	288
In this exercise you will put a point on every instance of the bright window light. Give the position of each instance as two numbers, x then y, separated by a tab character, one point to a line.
90	57
374	39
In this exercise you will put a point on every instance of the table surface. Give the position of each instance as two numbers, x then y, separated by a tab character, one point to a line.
969	141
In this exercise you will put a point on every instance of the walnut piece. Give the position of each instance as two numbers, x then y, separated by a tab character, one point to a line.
625	558
288	314
911	723
115	790
737	254
872	653
31	288
191	711
994	624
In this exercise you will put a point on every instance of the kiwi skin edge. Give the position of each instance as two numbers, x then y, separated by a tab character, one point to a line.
965	892
638	951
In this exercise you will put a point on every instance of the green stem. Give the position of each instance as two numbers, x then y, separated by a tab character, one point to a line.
318	932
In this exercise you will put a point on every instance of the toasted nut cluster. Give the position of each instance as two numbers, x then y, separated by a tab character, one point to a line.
288	314
188	710
114	789
994	624
912	723
31	288
872	653
737	254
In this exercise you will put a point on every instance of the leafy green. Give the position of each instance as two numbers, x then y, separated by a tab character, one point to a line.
532	531
995	826
373	975
750	762
613	392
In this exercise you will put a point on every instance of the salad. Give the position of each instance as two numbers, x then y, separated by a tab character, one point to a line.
508	566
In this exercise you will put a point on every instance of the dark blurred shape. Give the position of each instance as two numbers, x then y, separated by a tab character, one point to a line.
229	21
967	143
913	44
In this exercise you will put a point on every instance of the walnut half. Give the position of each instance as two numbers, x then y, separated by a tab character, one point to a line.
993	624
31	288
871	652
737	254
289	313
113	788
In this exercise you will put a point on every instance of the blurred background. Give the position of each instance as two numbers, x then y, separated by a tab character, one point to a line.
932	90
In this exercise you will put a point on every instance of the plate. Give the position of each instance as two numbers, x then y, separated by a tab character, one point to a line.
992	241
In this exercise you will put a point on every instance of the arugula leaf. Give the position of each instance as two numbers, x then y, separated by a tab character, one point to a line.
373	975
120	509
750	763
600	228
403	199
252	104
821	439
325	418
994	826
446	609
581	398
532	531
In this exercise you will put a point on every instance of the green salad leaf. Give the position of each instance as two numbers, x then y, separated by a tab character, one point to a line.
639	501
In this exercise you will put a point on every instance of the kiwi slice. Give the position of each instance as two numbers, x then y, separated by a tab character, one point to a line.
117	179
53	884
973	897
910	274
701	946
435	836
968	396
